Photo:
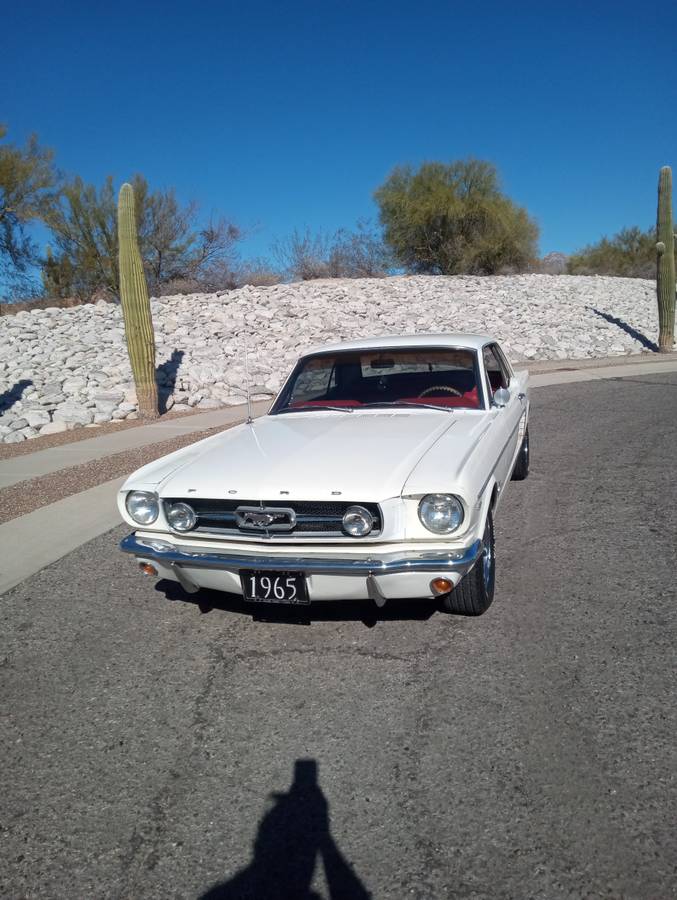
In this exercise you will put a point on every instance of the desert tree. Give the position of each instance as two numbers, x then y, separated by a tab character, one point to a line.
302	256
453	218
257	272
28	184
175	249
359	253
83	222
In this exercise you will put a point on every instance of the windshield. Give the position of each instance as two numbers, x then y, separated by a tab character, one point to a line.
444	378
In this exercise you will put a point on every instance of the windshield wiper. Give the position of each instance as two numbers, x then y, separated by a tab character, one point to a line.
408	403
288	409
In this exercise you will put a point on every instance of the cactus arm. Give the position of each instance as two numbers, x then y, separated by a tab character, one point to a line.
136	307
665	269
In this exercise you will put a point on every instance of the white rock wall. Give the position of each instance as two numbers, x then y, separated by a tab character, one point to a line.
64	368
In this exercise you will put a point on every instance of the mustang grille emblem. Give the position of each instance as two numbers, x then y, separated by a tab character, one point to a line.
265	518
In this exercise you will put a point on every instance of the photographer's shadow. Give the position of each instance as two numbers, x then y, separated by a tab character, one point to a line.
292	837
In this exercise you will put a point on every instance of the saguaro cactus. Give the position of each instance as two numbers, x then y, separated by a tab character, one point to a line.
136	307
665	272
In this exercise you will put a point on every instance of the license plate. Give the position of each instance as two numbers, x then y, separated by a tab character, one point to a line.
274	587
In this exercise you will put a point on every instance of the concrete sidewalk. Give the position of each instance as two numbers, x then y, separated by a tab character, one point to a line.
31	542
568	374
43	462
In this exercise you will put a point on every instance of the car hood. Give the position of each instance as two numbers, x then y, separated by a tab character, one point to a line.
364	456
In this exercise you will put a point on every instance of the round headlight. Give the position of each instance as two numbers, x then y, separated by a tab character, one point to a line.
441	513
143	507
357	521
181	517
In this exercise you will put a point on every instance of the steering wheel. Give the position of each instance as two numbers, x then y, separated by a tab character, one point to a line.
440	387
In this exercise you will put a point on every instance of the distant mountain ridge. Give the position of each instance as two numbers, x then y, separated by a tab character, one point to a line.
554	263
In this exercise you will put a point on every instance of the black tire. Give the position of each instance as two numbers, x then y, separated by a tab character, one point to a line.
521	470
474	594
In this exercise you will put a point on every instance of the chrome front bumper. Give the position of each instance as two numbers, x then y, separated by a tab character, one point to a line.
459	562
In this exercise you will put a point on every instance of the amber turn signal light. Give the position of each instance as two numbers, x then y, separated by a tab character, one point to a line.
441	586
147	569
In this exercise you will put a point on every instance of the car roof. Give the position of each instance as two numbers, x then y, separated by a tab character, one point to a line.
392	341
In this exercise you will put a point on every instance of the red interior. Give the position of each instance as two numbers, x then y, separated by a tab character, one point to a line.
468	400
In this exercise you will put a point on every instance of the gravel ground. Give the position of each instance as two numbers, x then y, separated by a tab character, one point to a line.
34	493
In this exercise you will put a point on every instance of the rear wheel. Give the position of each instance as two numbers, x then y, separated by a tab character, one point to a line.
521	470
474	594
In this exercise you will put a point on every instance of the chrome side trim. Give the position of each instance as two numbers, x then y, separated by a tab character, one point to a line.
460	561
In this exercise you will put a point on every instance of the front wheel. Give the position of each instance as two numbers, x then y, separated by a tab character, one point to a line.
474	594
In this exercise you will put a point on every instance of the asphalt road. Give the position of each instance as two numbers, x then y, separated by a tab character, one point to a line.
151	750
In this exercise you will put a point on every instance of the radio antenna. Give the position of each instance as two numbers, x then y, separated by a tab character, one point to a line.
250	418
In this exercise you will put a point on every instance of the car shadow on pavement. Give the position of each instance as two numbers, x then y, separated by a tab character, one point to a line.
292	838
364	611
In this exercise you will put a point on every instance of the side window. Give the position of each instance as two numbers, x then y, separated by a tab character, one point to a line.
497	374
507	368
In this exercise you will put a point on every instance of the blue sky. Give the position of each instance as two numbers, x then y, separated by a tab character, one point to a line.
286	115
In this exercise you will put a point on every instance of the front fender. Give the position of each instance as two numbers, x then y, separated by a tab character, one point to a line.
488	502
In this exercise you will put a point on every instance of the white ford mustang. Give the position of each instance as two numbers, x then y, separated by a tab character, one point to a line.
376	474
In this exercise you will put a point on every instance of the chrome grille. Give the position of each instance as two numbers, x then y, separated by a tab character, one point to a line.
321	518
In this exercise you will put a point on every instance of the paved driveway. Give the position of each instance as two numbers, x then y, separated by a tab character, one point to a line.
151	750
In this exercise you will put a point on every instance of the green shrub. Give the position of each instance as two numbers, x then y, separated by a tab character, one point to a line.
630	253
453	219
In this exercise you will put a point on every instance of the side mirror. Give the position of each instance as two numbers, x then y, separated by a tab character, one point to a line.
501	397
